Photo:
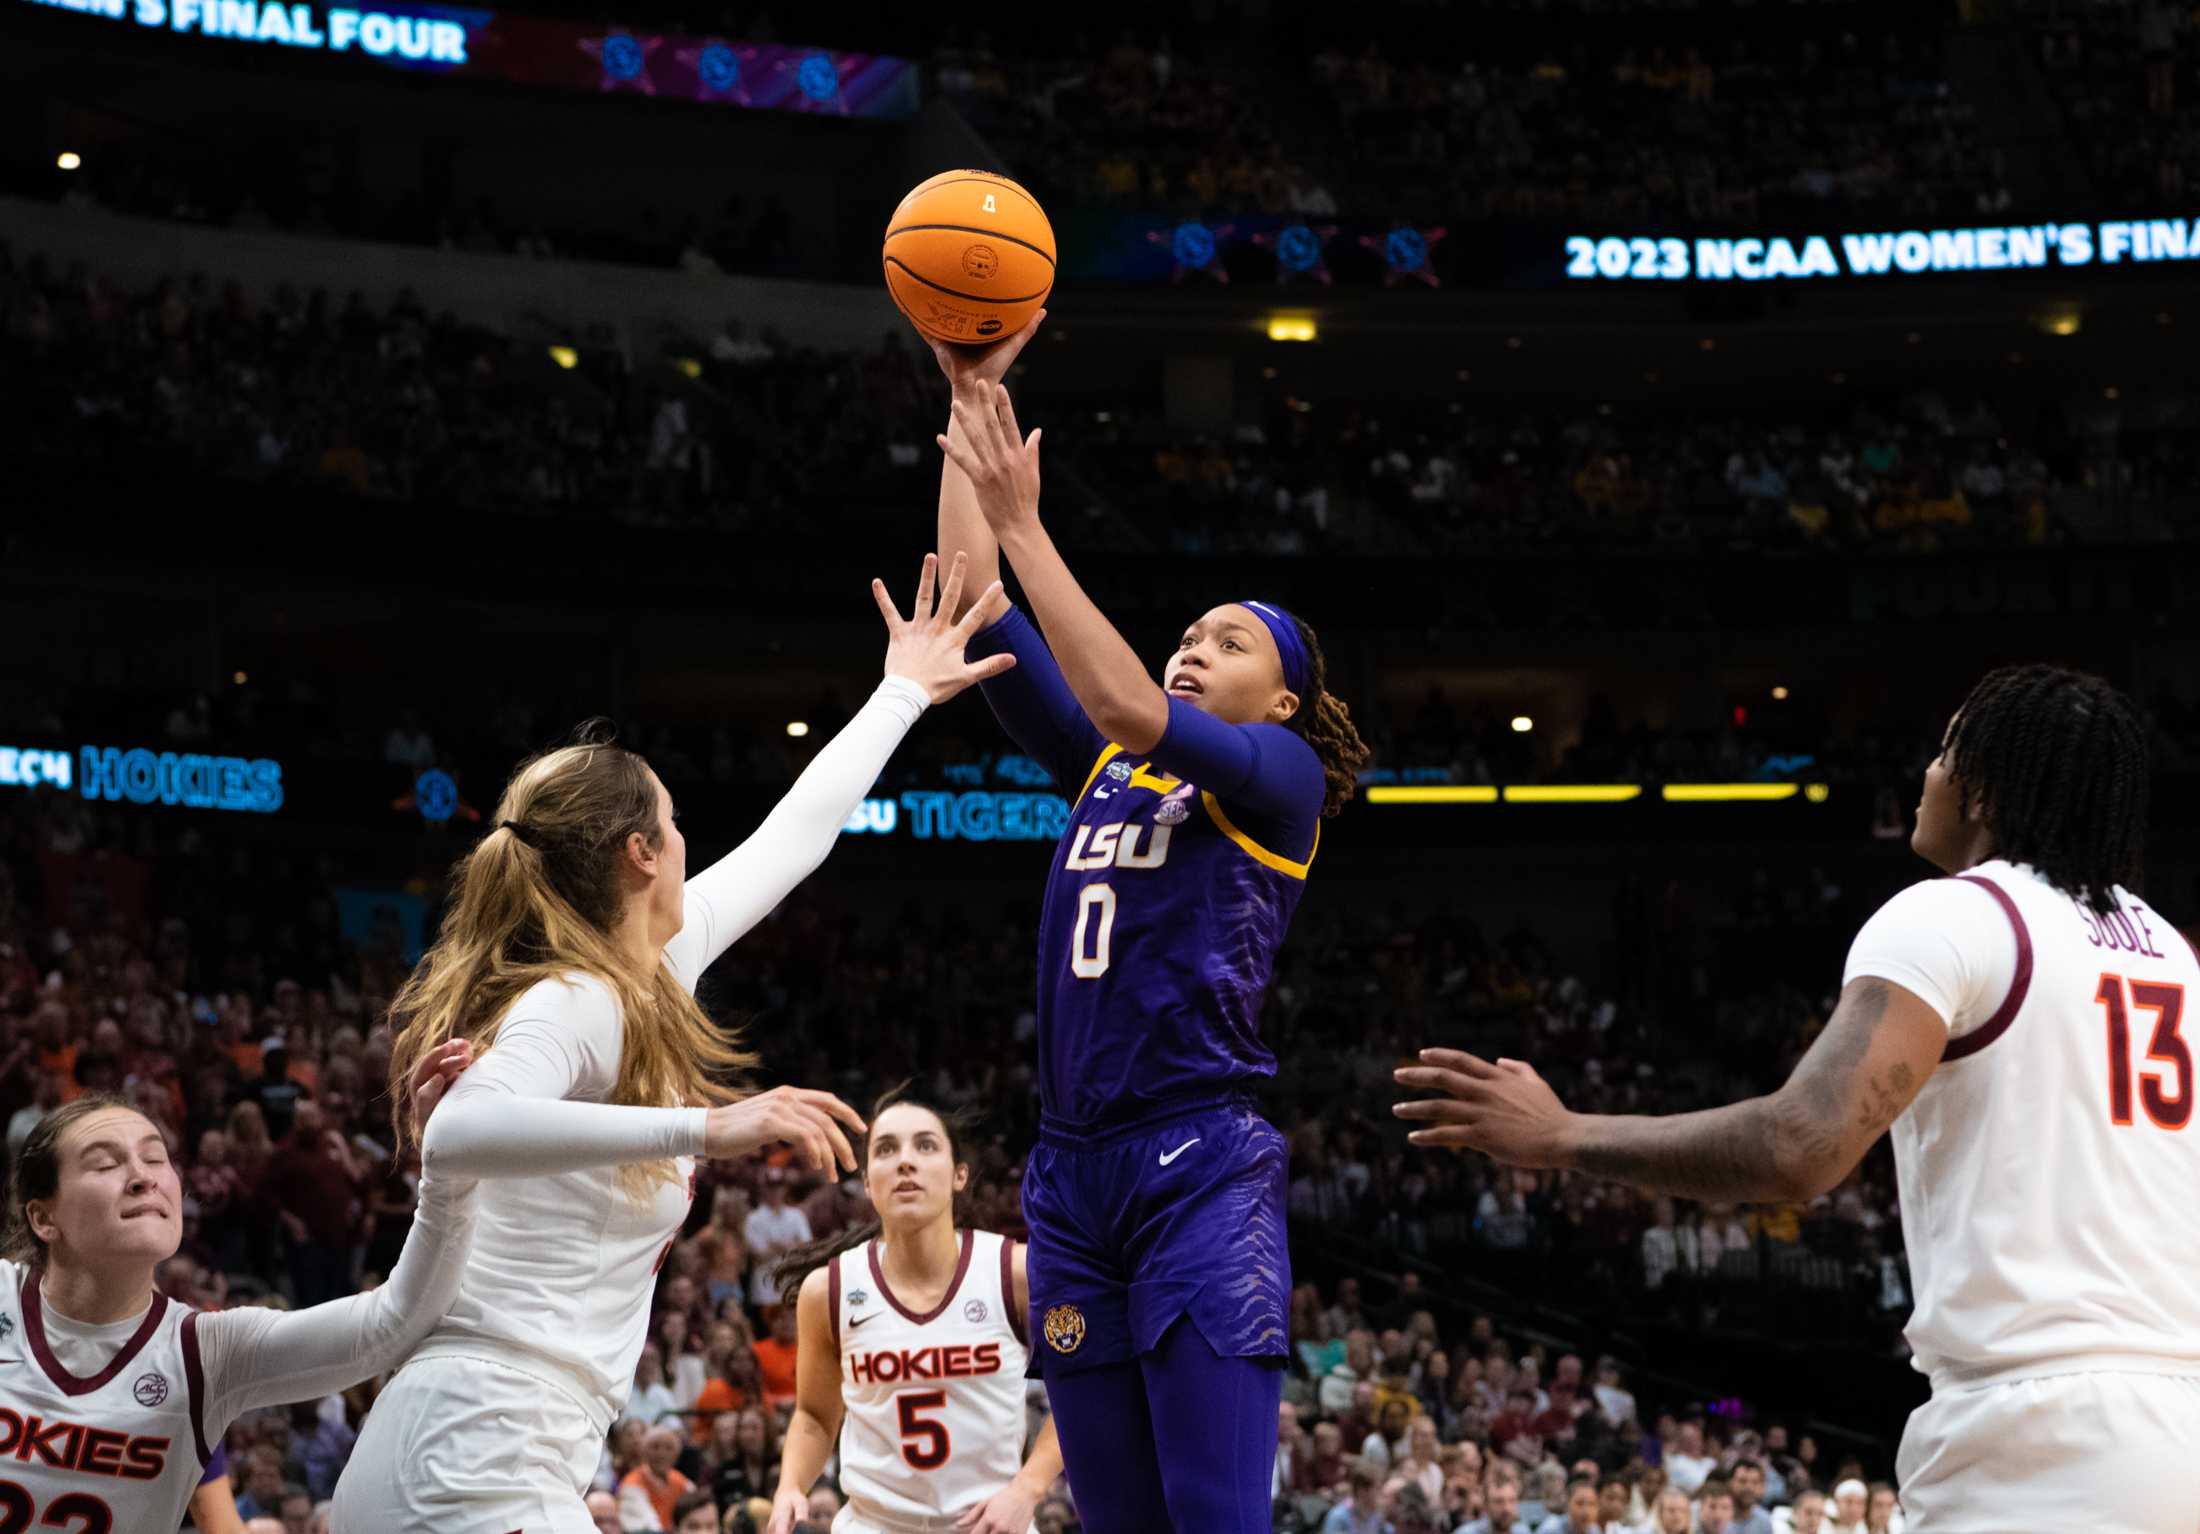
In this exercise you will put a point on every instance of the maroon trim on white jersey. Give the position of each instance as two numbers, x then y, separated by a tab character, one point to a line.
832	1290
34	1332
194	1380
962	1266
1008	1290
1997	1025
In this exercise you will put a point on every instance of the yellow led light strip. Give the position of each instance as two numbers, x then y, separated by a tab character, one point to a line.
1574	793
1708	793
1431	794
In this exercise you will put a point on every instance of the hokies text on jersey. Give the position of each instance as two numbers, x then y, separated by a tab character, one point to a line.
888	1366
76	1446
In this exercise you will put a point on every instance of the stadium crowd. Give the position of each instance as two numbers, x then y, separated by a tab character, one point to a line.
1778	124
310	390
2123	73
216	991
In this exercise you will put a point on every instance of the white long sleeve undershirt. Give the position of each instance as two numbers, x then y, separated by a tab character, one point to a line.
514	1113
563	1259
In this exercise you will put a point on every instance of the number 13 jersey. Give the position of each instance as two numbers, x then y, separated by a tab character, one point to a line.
934	1402
2047	1168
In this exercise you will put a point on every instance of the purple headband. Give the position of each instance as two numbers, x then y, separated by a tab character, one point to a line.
1298	670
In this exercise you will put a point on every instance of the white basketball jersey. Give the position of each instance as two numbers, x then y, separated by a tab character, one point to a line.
2048	1168
118	1450
935	1402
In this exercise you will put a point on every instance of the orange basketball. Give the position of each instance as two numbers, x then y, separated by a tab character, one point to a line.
969	256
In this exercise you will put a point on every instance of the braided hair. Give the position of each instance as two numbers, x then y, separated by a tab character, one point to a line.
2055	761
1327	725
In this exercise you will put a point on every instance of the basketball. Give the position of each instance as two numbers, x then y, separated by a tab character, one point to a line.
969	256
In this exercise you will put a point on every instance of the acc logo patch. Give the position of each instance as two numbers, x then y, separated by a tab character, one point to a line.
1065	1328
975	1311
150	1389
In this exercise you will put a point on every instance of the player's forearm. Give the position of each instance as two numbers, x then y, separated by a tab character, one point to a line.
1110	681
1044	1466
963	530
487	1132
802	1457
1752	1151
256	1359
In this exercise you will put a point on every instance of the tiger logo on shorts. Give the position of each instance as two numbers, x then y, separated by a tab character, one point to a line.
1065	1328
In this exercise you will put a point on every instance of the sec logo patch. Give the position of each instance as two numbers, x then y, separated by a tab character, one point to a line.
1065	1328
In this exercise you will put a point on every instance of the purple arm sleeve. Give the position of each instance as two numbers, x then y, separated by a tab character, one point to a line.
218	1466
1264	769
1034	703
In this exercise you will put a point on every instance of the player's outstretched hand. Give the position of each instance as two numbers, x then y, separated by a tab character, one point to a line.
808	1120
928	646
1002	463
979	370
433	1076
1008	1511
788	1509
1505	1109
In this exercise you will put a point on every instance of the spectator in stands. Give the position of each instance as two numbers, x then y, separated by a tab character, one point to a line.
1746	1477
1361	1512
1714	1507
650	1401
650	1491
1549	1499
1687	1466
1612	1496
1293	1450
772	1229
1675	1516
1500	1503
1806	1516
751	1467
722	1247
694	1513
775	1360
1327	1468
1420	1464
1851	1499
1580	1516
1612	1398
603	1508
317	1183
1884	1512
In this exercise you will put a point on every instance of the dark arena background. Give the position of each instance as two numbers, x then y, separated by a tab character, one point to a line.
1665	412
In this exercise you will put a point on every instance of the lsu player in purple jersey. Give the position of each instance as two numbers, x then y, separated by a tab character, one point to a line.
1159	1273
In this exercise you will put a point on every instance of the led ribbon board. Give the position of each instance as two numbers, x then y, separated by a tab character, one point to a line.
531	50
192	779
1883	253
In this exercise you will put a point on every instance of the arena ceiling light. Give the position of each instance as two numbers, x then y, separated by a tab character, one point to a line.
1522	724
565	357
68	159
1291	327
797	728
